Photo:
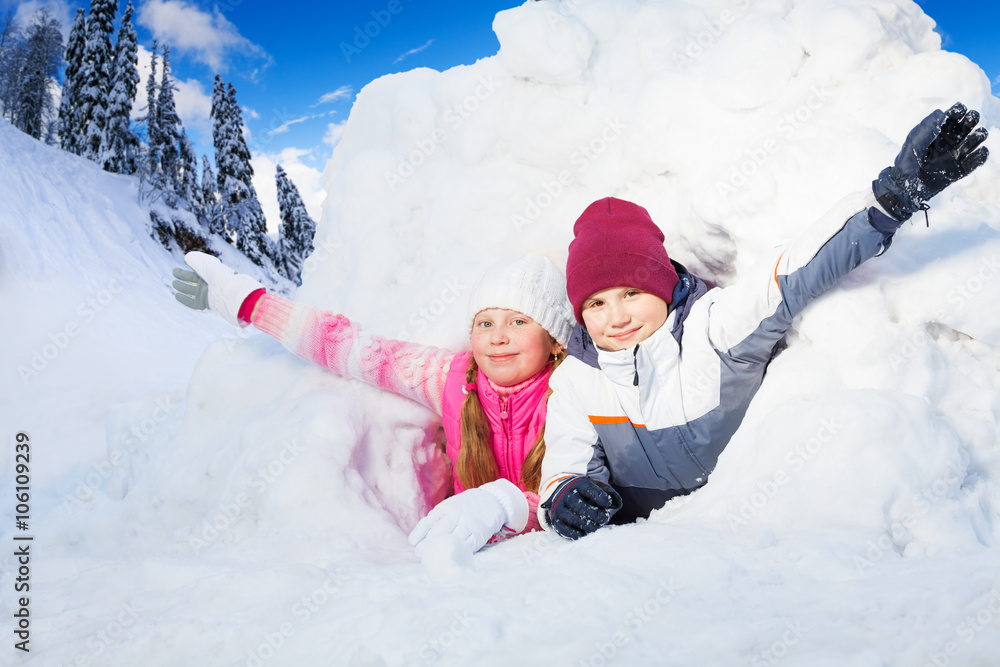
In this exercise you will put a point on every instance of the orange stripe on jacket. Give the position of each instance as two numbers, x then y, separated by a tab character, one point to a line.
594	419
557	479
776	269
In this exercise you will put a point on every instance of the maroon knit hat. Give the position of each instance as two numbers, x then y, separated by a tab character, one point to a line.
617	245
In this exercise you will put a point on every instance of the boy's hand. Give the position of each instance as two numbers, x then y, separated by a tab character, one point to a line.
581	505
942	149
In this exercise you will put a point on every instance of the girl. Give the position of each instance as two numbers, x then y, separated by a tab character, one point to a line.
492	399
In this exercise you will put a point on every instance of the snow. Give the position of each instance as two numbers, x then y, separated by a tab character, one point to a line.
200	496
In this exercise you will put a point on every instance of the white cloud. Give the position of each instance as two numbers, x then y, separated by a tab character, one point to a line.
208	38
413	52
342	93
194	104
334	133
308	180
281	129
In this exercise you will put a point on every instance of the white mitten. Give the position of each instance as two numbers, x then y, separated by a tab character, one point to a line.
474	516
220	289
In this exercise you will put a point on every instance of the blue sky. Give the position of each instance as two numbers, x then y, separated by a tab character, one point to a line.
297	70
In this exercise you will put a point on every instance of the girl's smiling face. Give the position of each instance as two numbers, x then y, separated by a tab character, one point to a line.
509	346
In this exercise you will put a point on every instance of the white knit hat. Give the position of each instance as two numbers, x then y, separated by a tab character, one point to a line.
529	284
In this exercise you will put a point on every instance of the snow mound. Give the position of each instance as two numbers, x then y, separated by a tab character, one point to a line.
262	515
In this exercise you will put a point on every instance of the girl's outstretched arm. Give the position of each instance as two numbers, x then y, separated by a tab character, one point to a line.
417	372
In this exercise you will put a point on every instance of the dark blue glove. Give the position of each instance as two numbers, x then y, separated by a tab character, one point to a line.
939	151
581	505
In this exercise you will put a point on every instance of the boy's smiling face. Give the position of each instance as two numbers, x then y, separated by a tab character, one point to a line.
622	317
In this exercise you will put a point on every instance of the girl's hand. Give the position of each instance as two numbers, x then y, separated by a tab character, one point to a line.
213	286
474	516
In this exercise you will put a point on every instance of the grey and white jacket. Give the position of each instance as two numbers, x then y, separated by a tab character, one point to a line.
652	420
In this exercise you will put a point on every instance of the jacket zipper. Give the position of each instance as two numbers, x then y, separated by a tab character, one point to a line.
635	365
505	413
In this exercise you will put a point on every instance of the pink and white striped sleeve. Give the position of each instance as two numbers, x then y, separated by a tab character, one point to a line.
417	372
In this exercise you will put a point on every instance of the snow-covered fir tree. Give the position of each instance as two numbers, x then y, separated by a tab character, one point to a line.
119	145
12	57
296	230
244	217
151	163
188	189
168	133
70	131
211	212
35	110
96	74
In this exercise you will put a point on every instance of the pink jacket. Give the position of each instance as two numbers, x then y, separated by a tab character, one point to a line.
431	376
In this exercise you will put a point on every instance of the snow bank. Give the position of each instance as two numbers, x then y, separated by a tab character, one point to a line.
261	517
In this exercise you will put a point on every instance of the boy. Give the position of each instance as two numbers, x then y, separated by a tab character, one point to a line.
663	369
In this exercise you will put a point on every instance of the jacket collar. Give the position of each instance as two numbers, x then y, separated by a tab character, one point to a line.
520	403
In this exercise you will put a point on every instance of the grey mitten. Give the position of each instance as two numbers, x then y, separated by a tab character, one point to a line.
213	286
192	291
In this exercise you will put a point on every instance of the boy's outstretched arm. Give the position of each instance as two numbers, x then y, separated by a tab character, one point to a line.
941	149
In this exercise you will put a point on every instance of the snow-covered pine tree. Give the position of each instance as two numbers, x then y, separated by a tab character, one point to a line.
189	190
119	145
168	135
96	75
211	214
254	241
296	230
69	105
12	56
36	108
151	163
244	217
221	119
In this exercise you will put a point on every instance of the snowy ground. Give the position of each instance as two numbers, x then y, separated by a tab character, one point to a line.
200	496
